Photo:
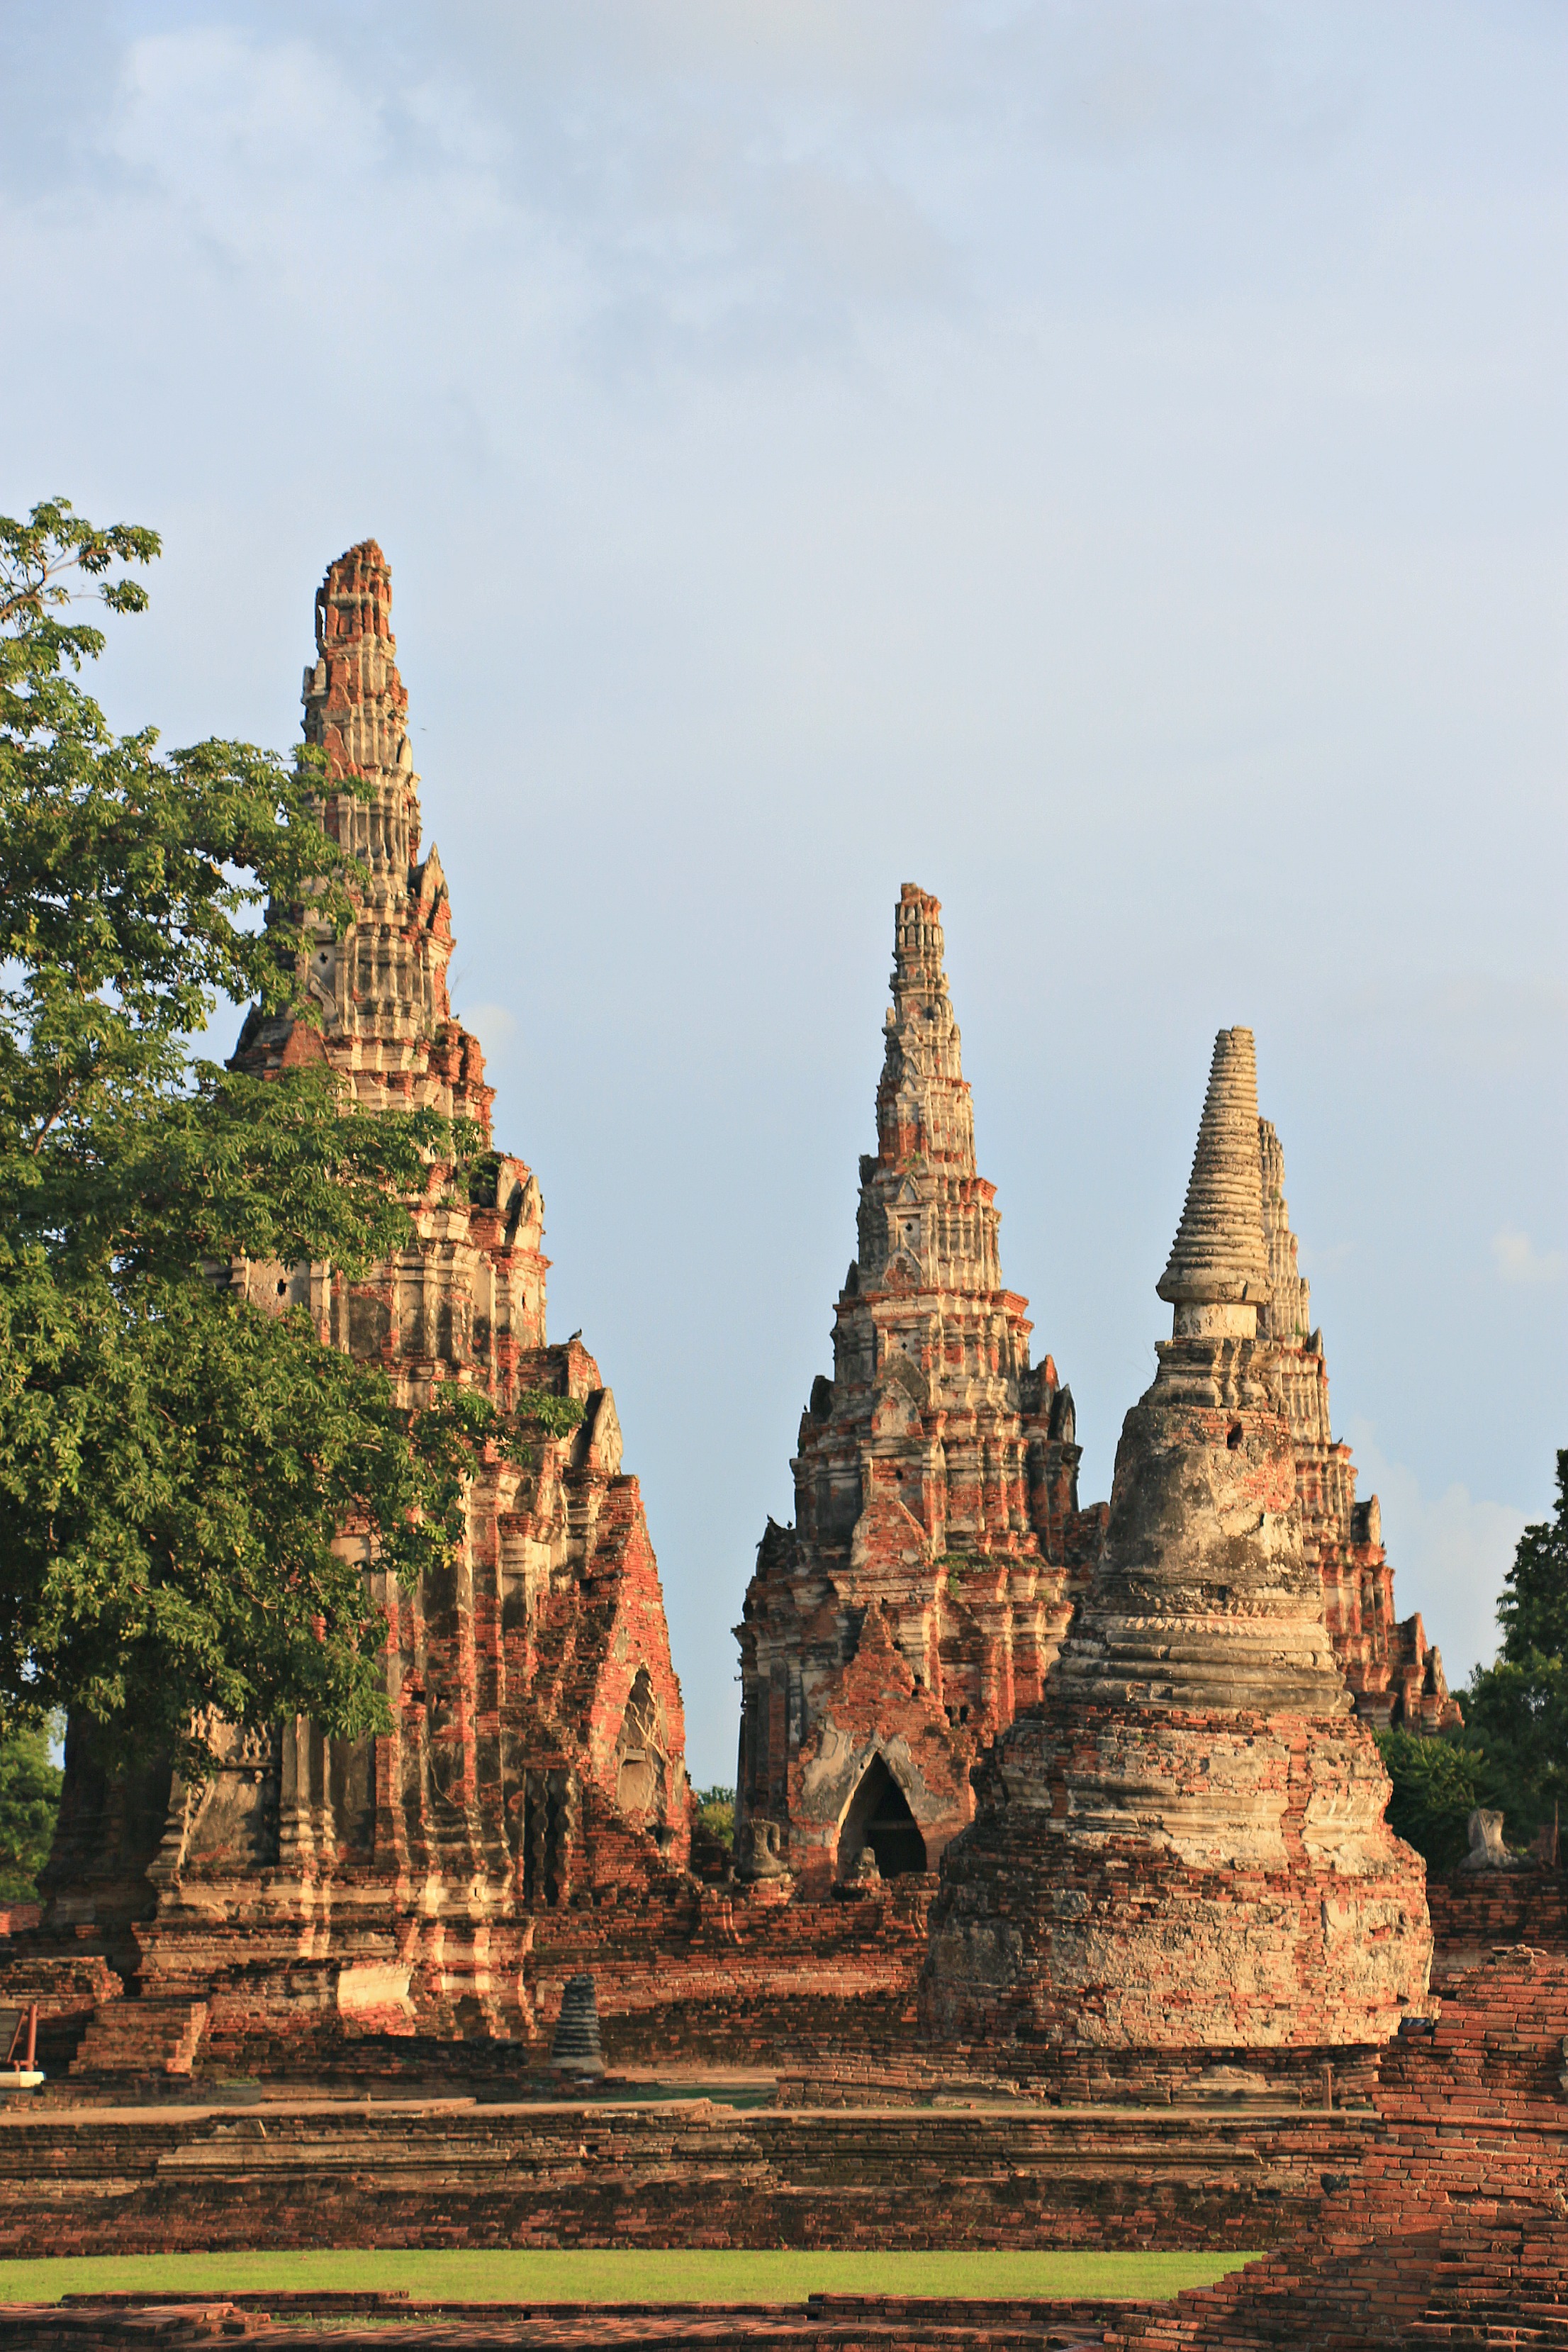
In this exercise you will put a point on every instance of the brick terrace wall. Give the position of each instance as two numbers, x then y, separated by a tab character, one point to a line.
1453	2228
358	2323
1473	1910
68	1991
694	2173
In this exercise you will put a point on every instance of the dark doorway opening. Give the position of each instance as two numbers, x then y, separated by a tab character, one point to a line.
879	1817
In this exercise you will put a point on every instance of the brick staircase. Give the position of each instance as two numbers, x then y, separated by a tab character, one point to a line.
142	2037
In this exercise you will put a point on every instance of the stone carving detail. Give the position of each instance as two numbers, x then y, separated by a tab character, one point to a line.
927	1582
1394	1673
1184	1844
534	1703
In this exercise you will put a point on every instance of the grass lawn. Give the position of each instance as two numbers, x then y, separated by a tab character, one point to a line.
614	2277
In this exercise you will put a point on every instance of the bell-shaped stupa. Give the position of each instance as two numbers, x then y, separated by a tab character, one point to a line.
1181	1848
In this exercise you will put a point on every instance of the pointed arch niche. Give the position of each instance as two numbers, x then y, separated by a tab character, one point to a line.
642	1776
879	1817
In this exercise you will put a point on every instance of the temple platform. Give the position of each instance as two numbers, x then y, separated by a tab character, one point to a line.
670	2169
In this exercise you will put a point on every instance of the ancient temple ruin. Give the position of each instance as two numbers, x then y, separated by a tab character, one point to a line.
1182	1846
1394	1674
927	1583
536	1752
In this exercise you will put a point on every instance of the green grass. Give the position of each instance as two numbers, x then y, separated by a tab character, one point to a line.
613	2276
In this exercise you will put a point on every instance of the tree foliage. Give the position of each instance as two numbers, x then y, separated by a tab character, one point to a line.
716	1812
1517	1709
29	1799
178	1468
1511	1754
1437	1784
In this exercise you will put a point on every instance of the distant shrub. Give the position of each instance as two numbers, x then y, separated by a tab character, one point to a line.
716	1812
1436	1786
29	1799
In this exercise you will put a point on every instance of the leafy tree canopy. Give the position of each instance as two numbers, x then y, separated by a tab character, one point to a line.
177	1468
1512	1752
1517	1709
716	1812
1436	1786
29	1799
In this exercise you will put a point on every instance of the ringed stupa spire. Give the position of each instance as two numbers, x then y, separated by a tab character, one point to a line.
1218	1256
1180	1852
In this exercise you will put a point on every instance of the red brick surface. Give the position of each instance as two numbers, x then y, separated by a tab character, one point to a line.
321	1889
1453	2228
917	1600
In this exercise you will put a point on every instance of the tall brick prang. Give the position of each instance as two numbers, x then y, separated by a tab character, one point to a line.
927	1582
537	1746
1184	1845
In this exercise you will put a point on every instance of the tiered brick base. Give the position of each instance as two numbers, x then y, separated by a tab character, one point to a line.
1439	2215
359	2324
458	2172
1453	2229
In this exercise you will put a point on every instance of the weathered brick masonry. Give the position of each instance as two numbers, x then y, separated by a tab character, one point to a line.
358	2323
1436	2214
698	2172
919	1597
1452	2227
317	1886
1181	1848
1392	1672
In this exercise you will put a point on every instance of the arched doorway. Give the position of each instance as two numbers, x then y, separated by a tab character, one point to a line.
879	1817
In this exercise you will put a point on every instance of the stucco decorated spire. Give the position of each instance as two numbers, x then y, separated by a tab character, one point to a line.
1394	1673
935	1484
385	1013
923	1106
1218	1257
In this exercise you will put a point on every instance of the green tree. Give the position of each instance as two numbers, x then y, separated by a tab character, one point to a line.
1517	1709
176	1467
29	1799
716	1812
1437	1783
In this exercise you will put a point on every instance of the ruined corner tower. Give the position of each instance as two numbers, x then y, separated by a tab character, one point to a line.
1181	1853
537	1744
927	1581
1394	1673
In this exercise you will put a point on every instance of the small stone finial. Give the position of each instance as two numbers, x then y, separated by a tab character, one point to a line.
1218	1256
575	2048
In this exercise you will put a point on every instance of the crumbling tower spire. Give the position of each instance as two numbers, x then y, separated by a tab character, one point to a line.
1393	1672
1182	1848
534	1734
385	1017
927	1582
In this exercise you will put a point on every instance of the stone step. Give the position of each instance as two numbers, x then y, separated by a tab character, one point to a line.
142	2037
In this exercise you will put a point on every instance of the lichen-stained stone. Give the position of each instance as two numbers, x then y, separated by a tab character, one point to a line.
927	1581
1183	1845
1393	1672
537	1750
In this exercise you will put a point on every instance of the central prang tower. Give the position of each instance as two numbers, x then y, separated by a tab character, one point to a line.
928	1581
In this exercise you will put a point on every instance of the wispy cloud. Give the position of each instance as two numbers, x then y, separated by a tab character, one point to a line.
1450	1552
492	1024
1517	1259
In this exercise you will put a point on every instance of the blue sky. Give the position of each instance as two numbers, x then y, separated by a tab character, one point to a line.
1103	462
